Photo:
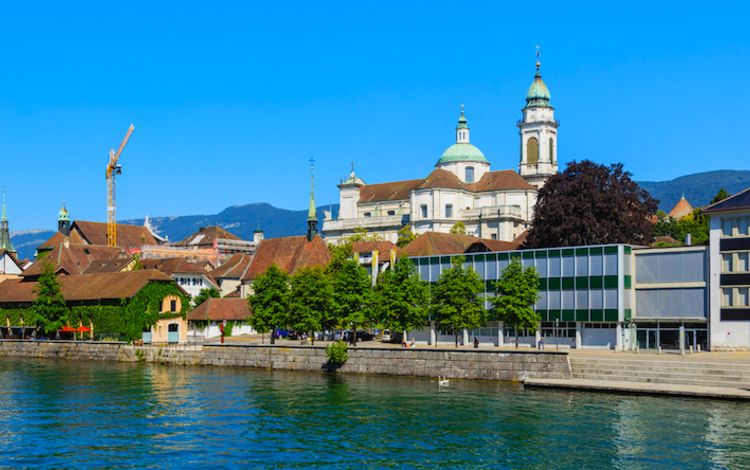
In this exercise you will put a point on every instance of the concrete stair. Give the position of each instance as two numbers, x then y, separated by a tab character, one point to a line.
654	370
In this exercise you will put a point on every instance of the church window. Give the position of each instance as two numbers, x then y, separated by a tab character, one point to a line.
423	208
449	211
469	174
532	151
552	150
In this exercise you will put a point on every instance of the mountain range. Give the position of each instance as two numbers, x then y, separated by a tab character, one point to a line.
243	220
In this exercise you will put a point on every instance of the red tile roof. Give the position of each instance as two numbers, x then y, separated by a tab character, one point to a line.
682	209
395	191
75	259
173	265
221	309
129	237
58	238
289	254
434	243
382	246
500	180
85	287
205	237
233	268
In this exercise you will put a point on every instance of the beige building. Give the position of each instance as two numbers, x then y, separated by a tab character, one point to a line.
495	205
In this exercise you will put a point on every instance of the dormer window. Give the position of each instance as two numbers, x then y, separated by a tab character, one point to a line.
469	174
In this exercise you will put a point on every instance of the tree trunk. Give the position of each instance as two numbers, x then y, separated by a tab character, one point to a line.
516	338
312	337
455	336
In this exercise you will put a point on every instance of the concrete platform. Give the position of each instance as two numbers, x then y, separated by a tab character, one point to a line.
614	386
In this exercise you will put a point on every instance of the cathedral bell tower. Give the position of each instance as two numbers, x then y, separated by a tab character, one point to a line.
538	132
312	216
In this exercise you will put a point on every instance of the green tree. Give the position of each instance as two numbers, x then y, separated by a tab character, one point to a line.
591	204
402	298
720	196
518	291
456	298
353	295
311	300
270	299
695	224
49	307
205	294
405	236
339	255
137	263
458	228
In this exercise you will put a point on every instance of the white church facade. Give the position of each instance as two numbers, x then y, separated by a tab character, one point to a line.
462	188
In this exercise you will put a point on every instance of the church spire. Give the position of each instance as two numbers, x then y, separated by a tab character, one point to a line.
312	216
5	243
462	129
63	221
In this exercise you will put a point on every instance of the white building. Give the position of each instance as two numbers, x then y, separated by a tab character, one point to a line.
462	188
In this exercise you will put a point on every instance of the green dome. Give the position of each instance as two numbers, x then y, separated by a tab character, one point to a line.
462	153
538	94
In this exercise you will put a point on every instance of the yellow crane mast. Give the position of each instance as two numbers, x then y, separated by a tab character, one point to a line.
114	168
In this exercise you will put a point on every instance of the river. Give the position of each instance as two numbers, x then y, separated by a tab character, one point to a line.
67	414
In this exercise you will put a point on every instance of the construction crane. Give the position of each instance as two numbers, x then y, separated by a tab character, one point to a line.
113	169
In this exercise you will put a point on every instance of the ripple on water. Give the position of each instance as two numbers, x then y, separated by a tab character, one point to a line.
64	414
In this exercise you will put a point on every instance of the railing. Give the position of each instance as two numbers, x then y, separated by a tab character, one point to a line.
495	212
365	222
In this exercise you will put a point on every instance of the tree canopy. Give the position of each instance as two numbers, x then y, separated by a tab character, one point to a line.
696	224
49	305
456	298
590	203
205	294
270	299
720	196
402	297
459	228
405	236
353	296
311	301
517	292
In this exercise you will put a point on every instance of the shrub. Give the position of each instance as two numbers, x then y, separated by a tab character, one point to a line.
337	353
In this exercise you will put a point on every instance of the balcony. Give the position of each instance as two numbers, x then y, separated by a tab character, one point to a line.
365	222
494	213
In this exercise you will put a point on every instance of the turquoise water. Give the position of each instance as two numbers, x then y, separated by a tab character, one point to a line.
66	414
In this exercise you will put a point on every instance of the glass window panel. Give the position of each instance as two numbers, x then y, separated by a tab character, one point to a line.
568	266
582	265
541	266
541	304
726	227
726	297
597	300
568	299
742	262
553	300
582	299
742	299
554	266
597	265
743	226
610	264
610	298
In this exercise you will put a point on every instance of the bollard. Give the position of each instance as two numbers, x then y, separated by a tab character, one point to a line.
690	349
698	348
658	350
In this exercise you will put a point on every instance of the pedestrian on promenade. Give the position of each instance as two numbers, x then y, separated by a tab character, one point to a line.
476	343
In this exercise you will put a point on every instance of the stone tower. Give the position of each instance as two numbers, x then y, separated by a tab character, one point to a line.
63	221
538	132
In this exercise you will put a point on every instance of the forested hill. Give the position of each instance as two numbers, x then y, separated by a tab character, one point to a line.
242	220
698	188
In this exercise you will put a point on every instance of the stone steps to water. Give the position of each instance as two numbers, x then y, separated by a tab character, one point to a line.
664	372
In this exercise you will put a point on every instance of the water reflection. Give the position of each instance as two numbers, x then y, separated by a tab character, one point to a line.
61	414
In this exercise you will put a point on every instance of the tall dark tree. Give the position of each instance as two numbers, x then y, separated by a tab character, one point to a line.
720	196
457	301
49	305
402	298
311	301
353	295
590	203
270	300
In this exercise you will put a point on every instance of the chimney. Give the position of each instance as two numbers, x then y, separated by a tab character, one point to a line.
689	239
257	236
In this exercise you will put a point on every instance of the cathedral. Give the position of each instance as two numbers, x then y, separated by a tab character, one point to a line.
496	205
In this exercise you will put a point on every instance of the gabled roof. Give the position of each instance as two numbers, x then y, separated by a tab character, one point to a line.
110	266
435	243
75	259
173	265
216	309
395	191
58	238
737	202
682	209
205	236
233	268
500	180
129	237
85	287
12	257
288	253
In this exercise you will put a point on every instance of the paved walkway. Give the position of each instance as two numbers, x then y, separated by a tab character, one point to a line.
644	388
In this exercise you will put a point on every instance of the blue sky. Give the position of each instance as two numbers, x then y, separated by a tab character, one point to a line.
230	100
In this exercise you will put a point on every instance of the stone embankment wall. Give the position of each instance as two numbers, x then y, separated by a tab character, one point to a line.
463	364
